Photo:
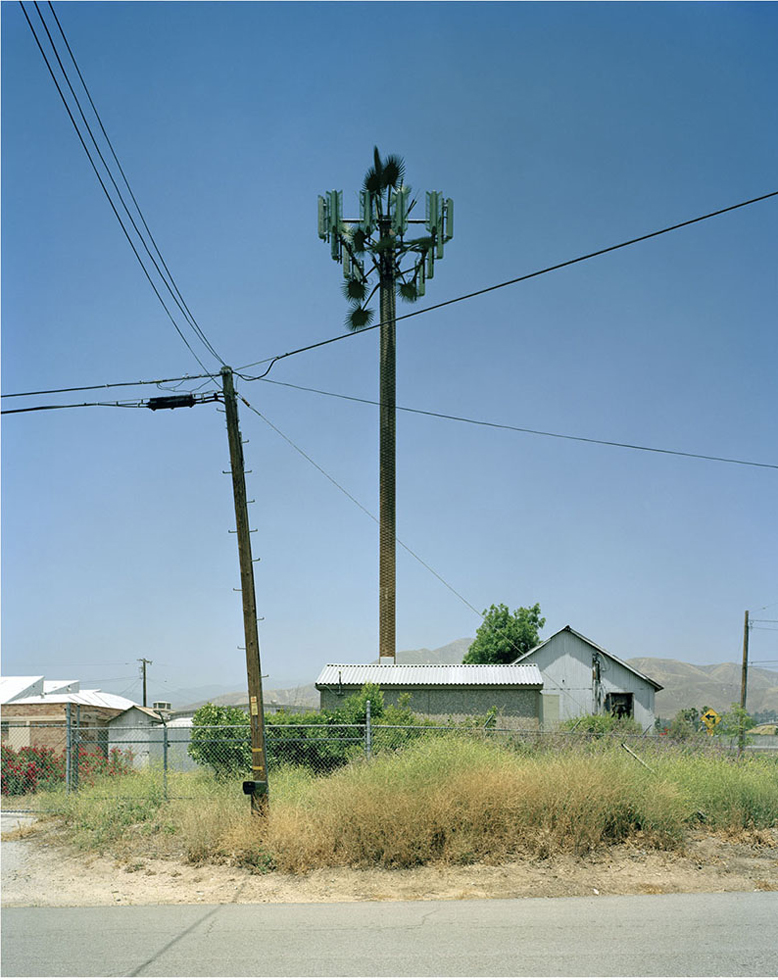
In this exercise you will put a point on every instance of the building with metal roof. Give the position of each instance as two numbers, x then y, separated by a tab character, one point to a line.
12	688
582	678
88	699
34	718
443	691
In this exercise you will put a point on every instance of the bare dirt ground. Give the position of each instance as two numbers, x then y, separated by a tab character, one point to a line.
39	869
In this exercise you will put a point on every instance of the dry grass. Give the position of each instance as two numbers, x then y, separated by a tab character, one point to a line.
452	800
457	801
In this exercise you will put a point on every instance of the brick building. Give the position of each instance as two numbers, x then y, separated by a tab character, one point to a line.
34	713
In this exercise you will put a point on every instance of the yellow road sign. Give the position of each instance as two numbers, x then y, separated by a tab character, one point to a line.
711	718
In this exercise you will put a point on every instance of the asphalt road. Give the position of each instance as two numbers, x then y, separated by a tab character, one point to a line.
730	934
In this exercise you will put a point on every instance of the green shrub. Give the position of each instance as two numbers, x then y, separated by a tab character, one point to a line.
602	725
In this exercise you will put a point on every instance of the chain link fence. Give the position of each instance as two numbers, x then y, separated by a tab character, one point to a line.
69	757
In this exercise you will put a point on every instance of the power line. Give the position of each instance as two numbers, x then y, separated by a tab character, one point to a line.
143	403
110	175
193	322
121	663
510	282
372	516
354	500
115	384
516	428
50	408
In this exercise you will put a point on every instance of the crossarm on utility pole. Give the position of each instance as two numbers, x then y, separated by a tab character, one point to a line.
257	787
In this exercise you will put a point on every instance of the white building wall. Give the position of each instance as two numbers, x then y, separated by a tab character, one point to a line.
565	663
136	732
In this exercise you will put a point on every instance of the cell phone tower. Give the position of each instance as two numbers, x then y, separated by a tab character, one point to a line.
377	256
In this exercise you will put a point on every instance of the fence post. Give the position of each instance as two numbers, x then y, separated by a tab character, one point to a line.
368	732
75	763
68	747
164	757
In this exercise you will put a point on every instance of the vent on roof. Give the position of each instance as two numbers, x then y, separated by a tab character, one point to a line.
162	706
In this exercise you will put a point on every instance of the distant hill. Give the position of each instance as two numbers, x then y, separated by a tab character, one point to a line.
452	653
308	696
685	685
715	685
304	697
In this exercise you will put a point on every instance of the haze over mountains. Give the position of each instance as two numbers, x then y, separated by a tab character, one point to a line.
685	685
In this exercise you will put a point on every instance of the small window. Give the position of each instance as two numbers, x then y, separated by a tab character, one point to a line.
4	729
620	705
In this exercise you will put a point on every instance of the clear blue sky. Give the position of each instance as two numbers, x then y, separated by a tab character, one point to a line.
557	129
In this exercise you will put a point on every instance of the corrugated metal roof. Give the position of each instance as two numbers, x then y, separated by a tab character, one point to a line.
93	699
61	687
12	688
428	675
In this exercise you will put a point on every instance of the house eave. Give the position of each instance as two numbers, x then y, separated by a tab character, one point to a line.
602	650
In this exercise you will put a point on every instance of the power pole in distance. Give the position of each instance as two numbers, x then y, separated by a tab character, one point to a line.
257	786
143	661
378	237
743	688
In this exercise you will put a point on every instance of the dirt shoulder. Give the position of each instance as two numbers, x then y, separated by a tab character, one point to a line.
39	869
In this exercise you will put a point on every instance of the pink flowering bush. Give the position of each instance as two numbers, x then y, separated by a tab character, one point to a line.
29	769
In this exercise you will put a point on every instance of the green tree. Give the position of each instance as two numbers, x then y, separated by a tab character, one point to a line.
221	739
735	723
504	636
354	709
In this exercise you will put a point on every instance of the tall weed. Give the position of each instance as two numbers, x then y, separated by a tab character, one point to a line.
450	799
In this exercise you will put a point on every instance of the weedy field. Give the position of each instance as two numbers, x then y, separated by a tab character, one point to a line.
443	801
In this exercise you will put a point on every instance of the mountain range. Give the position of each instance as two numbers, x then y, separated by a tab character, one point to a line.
684	685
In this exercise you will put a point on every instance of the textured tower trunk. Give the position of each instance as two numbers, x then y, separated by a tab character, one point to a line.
386	561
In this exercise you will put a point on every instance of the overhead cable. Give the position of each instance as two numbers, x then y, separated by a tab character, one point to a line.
535	432
49	408
182	304
142	403
509	282
353	499
115	384
172	290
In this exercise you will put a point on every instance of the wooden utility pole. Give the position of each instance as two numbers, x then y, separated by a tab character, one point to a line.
743	687
257	787
143	661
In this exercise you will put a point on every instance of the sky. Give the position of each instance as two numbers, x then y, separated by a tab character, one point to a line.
558	129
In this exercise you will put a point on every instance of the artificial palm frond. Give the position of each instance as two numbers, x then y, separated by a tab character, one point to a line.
387	242
354	289
393	171
359	318
373	181
374	178
421	244
408	291
358	241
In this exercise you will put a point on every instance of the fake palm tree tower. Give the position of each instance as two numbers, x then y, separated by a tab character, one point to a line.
375	244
